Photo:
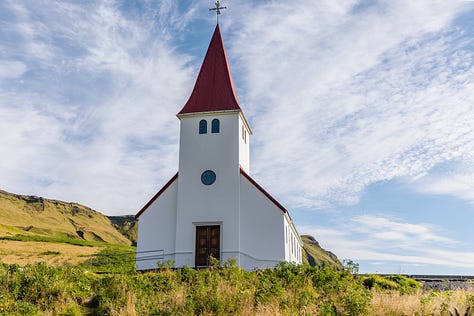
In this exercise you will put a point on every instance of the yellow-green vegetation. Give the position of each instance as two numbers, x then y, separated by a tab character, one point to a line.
29	252
287	289
35	216
314	255
389	283
41	289
23	250
127	225
45	269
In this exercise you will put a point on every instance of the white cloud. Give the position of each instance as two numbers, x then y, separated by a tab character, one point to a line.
342	95
94	120
11	69
456	180
379	238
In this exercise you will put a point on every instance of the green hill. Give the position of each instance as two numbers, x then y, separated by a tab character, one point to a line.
127	225
36	216
314	255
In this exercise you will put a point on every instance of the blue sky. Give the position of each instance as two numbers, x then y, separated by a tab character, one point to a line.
362	112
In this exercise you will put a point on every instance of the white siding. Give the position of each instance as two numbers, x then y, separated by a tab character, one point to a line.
157	228
217	203
254	230
262	238
293	244
244	146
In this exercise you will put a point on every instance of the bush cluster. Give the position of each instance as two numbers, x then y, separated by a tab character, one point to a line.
389	283
286	289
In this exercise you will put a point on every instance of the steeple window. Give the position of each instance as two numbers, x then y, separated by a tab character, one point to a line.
215	126
244	134
202	127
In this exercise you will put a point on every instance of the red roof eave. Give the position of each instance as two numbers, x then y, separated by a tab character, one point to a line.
157	195
271	198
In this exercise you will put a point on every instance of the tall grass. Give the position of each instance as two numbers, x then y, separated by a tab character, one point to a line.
453	303
286	290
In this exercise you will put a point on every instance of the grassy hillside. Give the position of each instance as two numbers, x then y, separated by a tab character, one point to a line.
314	255
127	225
36	216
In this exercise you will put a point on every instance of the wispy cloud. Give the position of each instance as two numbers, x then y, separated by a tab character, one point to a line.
11	69
456	180
86	103
344	95
379	238
341	94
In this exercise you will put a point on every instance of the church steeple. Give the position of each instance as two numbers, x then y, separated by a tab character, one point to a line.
212	207
214	89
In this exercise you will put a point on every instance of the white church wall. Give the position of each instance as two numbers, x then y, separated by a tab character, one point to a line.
293	243
156	228
244	145
262	243
216	203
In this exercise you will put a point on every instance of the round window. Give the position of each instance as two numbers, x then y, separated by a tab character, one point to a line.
208	177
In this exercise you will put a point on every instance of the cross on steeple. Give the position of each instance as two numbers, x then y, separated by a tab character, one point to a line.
218	9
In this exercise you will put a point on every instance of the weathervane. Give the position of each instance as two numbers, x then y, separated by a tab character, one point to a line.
218	9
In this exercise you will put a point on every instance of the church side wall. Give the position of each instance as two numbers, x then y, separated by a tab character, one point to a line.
293	245
244	145
157	229
262	243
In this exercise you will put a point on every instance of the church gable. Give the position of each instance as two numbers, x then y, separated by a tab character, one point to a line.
263	191
157	195
257	207
157	227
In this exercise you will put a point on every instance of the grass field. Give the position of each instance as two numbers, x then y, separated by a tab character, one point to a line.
23	250
56	254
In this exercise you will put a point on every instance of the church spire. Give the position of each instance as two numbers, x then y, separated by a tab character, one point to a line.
214	88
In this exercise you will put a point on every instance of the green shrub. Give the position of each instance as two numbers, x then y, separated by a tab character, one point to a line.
377	282
398	283
405	285
470	301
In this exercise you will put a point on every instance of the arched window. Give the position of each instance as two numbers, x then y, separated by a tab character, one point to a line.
202	127
215	126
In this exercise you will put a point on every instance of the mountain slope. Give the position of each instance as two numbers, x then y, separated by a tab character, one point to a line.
127	225
314	255
32	215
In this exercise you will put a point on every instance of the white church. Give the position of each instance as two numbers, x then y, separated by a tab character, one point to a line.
212	207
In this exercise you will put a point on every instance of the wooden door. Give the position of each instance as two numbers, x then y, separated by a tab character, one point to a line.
207	244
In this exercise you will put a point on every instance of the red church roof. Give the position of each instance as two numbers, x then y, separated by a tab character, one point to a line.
214	88
157	195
